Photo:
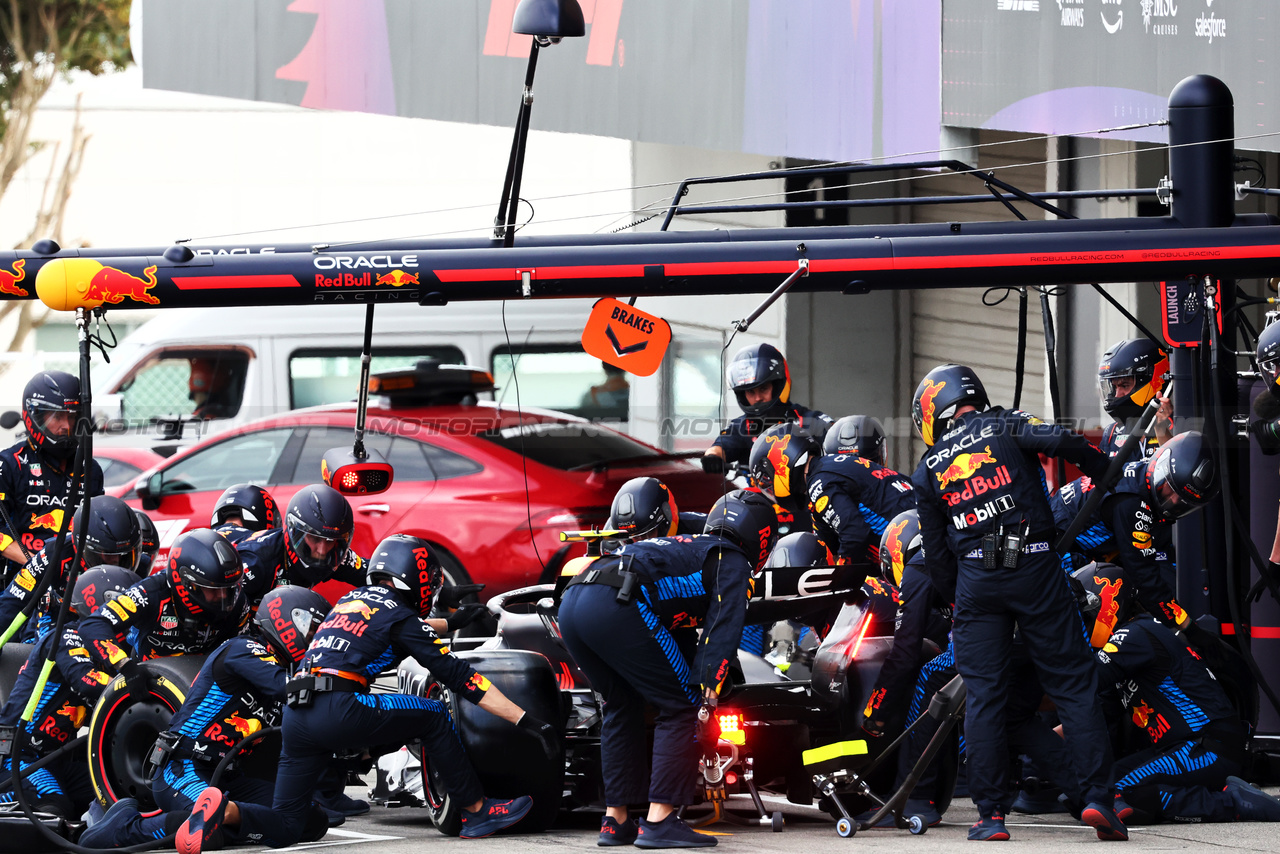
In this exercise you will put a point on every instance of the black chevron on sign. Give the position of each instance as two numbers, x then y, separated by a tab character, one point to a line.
617	346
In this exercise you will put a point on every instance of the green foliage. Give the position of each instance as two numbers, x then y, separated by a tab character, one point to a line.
42	38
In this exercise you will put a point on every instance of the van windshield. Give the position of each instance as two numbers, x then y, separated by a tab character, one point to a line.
568	445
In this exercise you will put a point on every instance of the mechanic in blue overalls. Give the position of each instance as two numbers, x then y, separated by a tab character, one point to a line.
761	381
986	527
239	691
1133	526
329	706
112	538
242	510
189	609
314	545
630	622
1198	743
1129	376
35	474
70	693
847	496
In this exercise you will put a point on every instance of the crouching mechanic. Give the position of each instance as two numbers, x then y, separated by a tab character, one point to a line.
629	621
242	510
1133	526
329	706
73	687
1198	741
189	609
313	546
239	691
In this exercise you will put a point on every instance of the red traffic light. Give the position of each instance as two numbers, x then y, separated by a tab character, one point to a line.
352	475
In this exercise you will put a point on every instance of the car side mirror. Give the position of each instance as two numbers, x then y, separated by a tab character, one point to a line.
150	489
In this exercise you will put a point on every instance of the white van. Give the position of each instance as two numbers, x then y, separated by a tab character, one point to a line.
191	372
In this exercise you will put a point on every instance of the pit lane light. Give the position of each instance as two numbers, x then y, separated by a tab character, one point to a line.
341	469
432	383
731	729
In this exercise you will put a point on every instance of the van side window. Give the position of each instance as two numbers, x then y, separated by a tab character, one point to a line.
404	454
199	384
564	378
318	376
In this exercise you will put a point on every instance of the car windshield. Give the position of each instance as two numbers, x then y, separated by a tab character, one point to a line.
567	445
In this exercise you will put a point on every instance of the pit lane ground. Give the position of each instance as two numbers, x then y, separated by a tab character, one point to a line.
808	830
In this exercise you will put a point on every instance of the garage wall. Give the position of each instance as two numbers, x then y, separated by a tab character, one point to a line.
953	324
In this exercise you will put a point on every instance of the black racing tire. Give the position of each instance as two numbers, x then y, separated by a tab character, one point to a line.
12	657
510	762
444	810
122	731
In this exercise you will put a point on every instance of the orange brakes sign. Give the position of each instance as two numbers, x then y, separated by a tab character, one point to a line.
626	337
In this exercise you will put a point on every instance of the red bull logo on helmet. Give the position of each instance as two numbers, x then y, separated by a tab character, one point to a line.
928	409
964	466
9	279
1108	610
893	546
781	463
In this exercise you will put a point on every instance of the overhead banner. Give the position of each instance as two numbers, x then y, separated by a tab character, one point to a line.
820	79
1074	66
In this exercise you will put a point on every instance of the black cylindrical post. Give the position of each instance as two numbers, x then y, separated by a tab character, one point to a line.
1201	169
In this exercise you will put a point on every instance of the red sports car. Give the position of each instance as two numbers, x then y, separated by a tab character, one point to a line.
474	480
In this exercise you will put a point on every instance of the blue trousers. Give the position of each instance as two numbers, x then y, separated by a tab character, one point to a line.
62	787
177	785
1179	782
1035	599
631	660
340	721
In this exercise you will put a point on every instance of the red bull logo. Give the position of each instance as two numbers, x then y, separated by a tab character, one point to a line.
397	279
9	279
893	545
73	713
354	606
781	463
111	285
963	467
244	726
51	520
1141	714
1108	610
928	409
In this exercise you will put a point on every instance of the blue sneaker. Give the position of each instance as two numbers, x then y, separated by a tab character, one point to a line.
341	803
1251	803
1104	820
927	810
113	829
1040	803
990	829
671	832
493	816
204	827
613	832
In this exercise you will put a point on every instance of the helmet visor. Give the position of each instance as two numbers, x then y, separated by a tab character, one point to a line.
214	598
127	558
1171	504
744	372
1270	367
